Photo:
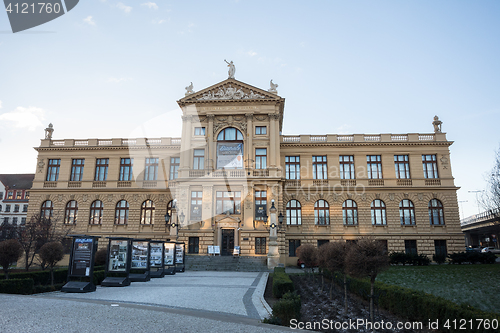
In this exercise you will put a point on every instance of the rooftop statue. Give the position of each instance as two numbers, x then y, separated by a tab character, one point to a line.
189	89
231	70
273	87
48	132
437	124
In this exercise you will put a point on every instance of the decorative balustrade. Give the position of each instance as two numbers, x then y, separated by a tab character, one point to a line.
362	138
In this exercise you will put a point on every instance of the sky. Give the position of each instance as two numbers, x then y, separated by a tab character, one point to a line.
115	69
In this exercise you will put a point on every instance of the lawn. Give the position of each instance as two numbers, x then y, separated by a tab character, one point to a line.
476	285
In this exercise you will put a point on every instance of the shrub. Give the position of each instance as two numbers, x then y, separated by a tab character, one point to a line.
281	282
286	309
439	258
472	257
17	286
100	257
51	253
403	258
10	252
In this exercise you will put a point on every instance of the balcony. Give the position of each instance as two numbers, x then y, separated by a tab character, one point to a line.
364	138
112	142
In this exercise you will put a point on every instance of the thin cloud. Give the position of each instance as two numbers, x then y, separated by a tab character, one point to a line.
159	21
126	9
119	80
89	20
150	5
252	53
29	118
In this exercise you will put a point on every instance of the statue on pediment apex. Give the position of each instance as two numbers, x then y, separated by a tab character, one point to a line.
437	124
273	87
232	69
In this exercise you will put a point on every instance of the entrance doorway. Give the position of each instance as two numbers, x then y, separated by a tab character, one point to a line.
227	245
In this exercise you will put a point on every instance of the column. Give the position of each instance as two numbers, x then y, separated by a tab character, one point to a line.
185	147
210	143
250	152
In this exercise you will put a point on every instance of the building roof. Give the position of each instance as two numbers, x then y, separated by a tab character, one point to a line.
17	181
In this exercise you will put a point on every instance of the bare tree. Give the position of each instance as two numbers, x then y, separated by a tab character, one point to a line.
10	252
34	234
51	253
367	258
490	198
308	254
332	256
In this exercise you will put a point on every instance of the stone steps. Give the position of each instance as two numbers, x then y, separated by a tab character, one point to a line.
226	263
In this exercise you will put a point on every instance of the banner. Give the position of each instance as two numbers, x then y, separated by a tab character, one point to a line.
230	155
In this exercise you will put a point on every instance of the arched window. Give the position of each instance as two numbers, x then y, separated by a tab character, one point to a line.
406	212
321	212
121	212
230	149
436	214
71	212
147	212
96	212
293	213
350	212
379	216
47	209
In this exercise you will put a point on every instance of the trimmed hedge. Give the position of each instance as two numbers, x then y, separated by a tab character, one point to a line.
41	277
17	286
286	309
281	282
472	257
419	306
397	258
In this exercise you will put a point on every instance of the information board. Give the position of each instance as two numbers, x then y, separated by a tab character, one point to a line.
139	255
118	255
155	255
230	155
169	254
82	256
179	253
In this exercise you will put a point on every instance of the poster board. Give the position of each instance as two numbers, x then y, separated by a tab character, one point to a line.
82	257
236	251
156	251
230	155
179	253
118	251
140	255
169	254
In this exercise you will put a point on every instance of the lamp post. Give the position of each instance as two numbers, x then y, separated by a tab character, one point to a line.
273	256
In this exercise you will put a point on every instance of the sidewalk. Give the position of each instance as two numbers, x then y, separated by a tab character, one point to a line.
194	301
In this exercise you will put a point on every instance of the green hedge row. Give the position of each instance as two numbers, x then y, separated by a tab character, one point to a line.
17	286
281	282
397	258
286	309
472	257
41	277
418	306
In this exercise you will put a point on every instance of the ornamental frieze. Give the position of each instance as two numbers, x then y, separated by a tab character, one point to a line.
230	92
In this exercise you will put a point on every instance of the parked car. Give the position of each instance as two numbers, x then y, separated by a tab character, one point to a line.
473	248
490	249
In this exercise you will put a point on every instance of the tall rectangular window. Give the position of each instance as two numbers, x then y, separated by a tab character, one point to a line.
16	208
101	169
260	205
14	220
77	169
23	220
25	208
260	158
19	195
292	167
260	245
53	170
374	166
411	246
402	165
430	166
199	131
26	195
228	202
319	167
293	245
151	168
194	245
346	166
126	169
440	247
7	208
260	130
174	167
196	202
199	159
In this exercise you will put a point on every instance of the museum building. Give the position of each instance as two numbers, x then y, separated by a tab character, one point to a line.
232	180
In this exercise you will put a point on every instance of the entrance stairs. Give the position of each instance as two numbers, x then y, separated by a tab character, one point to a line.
226	263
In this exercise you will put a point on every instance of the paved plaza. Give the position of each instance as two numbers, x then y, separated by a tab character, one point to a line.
194	301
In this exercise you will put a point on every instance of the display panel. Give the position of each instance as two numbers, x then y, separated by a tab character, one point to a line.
139	255
179	253
169	253
82	256
230	155
155	255
118	255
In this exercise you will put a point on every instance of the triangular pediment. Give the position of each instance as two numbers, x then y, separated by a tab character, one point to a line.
229	90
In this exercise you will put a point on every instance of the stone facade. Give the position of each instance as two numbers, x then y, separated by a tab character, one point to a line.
230	154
